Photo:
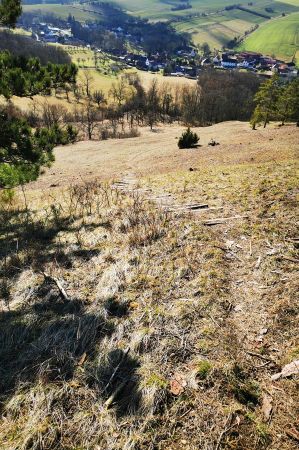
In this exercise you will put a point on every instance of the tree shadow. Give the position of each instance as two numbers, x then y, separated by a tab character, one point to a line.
45	340
119	382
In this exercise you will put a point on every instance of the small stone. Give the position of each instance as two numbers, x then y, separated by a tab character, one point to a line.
238	308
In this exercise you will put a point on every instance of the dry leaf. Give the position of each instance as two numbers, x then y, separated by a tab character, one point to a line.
287	371
175	387
290	369
267	406
133	305
82	359
177	384
293	433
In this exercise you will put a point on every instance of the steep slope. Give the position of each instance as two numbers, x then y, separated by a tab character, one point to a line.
151	313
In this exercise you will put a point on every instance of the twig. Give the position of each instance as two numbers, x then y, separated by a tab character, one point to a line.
124	355
289	258
58	284
258	263
110	400
223	220
223	432
265	358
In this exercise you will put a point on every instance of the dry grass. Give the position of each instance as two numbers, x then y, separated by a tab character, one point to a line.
157	152
154	345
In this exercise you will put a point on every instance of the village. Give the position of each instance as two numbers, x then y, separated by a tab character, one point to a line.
186	62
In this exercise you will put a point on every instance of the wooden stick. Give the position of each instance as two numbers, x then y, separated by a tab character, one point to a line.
112	397
289	258
222	220
58	284
265	358
124	355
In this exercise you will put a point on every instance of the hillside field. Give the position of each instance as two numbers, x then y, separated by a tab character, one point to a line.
279	37
207	21
129	320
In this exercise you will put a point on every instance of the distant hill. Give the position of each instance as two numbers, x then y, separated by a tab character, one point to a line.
279	37
216	22
26	46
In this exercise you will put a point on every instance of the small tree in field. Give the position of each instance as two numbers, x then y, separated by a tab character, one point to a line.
188	139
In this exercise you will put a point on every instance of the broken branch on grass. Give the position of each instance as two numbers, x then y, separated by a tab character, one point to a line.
220	220
124	355
265	358
58	284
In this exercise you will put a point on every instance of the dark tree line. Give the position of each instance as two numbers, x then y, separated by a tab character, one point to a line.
10	10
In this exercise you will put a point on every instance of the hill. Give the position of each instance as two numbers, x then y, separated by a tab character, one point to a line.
216	22
19	44
279	37
149	306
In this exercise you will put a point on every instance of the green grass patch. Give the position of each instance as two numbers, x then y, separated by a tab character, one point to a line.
278	37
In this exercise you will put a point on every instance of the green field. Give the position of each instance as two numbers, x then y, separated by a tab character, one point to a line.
207	21
63	11
279	37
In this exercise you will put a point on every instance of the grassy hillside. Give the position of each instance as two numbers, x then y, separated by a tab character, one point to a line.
280	37
127	321
63	11
207	21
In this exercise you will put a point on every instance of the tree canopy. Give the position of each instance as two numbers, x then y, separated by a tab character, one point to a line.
276	100
23	76
10	10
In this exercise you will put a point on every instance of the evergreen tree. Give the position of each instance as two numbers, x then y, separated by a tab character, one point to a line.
10	10
288	102
266	102
188	139
22	152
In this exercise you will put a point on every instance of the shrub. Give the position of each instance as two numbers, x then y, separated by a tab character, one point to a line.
188	139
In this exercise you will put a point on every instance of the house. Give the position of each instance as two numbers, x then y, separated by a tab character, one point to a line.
228	62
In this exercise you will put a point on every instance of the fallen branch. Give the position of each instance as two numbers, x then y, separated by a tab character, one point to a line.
265	358
289	258
222	220
112	397
58	284
124	355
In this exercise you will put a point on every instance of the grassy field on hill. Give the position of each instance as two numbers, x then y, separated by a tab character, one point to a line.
63	11
280	37
207	21
130	321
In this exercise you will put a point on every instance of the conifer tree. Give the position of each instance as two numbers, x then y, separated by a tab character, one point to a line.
288	102
10	10
266	102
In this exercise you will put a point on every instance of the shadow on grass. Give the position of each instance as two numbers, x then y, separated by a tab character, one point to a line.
44	341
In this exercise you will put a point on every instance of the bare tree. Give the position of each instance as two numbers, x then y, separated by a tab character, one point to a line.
52	114
119	90
99	98
87	82
153	104
88	116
